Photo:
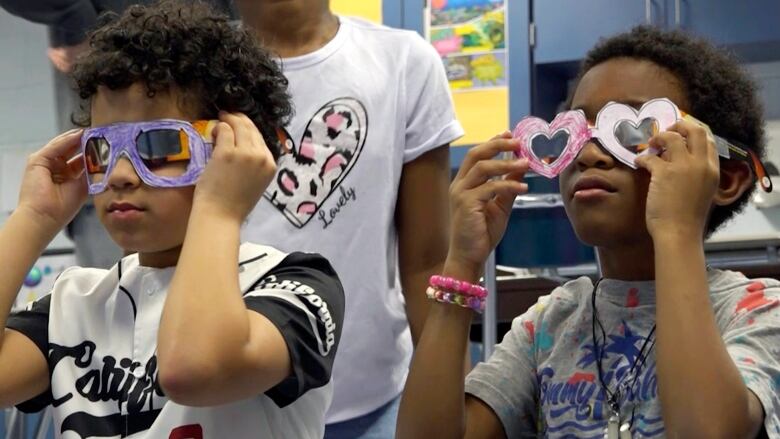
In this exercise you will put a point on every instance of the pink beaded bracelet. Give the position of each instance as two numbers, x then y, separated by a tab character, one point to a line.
458	286
472	302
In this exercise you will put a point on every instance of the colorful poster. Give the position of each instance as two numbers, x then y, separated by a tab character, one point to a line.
470	36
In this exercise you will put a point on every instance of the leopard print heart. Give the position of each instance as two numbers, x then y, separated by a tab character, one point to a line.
309	172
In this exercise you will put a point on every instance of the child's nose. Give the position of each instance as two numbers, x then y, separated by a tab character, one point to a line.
592	155
123	175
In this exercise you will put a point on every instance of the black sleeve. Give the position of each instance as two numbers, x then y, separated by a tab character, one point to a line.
69	20
304	298
33	323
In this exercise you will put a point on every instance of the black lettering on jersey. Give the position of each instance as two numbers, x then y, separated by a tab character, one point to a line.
86	425
114	381
81	353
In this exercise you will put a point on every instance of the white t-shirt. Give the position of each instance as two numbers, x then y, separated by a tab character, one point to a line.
369	101
98	331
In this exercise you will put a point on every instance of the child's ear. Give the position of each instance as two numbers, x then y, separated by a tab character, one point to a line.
735	178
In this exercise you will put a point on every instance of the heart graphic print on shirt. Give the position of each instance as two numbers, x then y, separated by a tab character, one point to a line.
309	172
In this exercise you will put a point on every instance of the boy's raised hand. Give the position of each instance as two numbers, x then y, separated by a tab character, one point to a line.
240	168
54	186
481	198
684	180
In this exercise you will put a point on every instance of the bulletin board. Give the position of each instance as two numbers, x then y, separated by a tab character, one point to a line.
368	9
482	110
470	36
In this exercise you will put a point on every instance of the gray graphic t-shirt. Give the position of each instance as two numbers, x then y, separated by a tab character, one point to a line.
543	377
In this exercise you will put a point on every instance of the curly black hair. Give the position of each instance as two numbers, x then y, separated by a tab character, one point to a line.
185	44
720	93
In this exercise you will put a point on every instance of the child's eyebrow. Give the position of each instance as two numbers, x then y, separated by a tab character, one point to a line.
588	114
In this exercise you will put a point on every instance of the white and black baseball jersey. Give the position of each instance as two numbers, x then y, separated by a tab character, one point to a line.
98	330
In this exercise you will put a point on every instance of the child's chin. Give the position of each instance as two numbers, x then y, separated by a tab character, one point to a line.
613	237
131	244
598	235
589	239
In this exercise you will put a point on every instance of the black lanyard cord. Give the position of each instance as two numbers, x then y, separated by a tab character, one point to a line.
613	397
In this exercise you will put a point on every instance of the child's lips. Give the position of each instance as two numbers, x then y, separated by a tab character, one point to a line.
122	207
592	187
125	215
590	194
124	211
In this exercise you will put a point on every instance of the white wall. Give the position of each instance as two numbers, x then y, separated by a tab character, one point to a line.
773	135
755	222
768	77
27	104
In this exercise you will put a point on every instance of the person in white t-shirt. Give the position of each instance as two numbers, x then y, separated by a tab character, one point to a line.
195	334
363	179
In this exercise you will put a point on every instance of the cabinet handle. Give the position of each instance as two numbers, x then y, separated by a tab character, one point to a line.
649	11
677	13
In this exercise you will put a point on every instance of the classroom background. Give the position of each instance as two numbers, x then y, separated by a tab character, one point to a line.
504	59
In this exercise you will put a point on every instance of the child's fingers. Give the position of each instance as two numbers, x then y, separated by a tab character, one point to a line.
225	136
508	136
699	140
505	135
259	141
488	169
485	151
506	190
234	123
249	135
649	162
78	183
242	132
64	145
673	143
246	133
69	133
75	166
506	200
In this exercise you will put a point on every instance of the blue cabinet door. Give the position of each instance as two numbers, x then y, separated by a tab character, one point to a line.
728	22
567	29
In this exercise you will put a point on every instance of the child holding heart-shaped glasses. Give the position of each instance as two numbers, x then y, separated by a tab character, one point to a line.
661	146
